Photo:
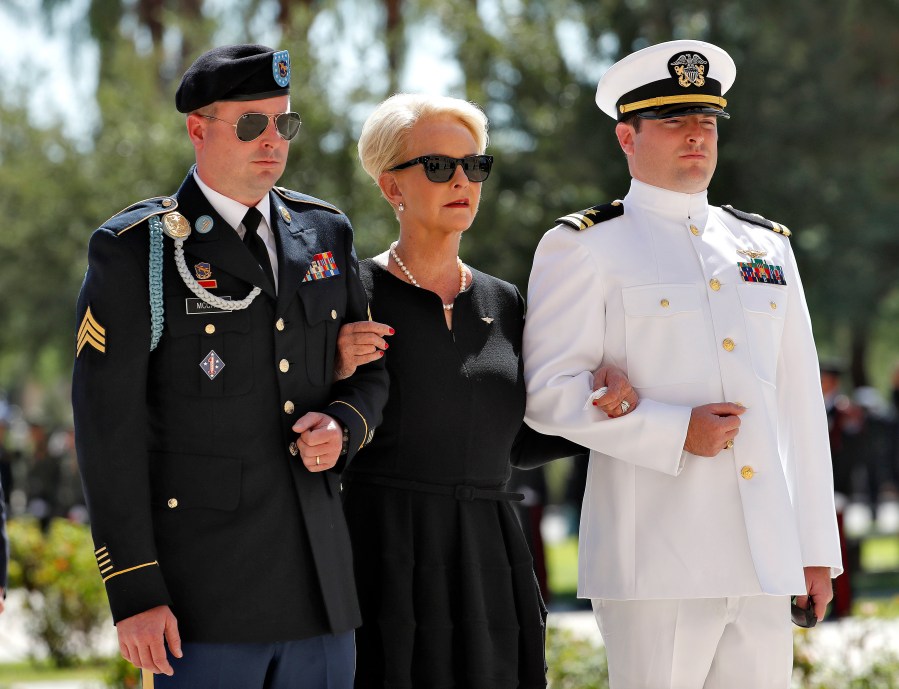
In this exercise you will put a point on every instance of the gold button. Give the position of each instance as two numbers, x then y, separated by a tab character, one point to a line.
210	328
288	407
167	202
172	503
728	344
747	472
694	230
665	303
284	365
333	315
279	324
773	304
715	284
294	450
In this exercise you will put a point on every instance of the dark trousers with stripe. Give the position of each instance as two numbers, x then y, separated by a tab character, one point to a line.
322	662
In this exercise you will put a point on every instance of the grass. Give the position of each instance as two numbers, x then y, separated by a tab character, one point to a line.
13	673
880	554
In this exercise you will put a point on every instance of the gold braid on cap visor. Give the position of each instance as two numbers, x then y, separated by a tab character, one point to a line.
672	100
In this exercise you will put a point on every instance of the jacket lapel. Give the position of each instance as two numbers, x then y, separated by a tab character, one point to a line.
221	246
295	251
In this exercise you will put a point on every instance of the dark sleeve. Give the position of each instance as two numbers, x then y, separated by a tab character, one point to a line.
358	401
532	449
109	391
4	545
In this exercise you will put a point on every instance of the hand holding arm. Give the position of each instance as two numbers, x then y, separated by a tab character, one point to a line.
618	390
357	344
320	440
711	427
141	639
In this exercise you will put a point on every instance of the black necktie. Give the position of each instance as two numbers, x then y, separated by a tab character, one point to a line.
255	244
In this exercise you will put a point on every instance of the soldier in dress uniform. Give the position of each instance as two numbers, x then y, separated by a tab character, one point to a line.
210	431
710	505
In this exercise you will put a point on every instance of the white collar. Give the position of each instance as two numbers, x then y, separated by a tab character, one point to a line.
232	211
672	204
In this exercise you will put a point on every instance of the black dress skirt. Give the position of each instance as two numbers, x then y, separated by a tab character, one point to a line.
445	579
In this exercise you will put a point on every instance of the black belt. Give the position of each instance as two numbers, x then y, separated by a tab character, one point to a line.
460	492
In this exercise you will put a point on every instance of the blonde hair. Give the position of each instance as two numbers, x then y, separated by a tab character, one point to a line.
385	132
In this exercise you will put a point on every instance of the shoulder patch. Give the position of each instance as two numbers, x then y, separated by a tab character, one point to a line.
297	197
592	216
137	213
757	219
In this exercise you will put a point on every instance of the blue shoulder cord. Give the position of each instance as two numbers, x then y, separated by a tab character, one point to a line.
157	309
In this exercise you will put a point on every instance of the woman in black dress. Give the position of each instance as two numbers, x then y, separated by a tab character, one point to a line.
445	578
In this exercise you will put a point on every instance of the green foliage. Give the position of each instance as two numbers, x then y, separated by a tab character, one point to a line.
66	602
120	674
575	662
863	660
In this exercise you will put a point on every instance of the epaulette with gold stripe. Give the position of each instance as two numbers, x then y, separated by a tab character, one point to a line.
591	216
297	197
757	219
137	213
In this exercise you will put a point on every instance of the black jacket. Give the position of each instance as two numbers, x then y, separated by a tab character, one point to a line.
195	496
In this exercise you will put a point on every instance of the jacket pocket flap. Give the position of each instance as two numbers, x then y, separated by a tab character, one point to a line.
183	481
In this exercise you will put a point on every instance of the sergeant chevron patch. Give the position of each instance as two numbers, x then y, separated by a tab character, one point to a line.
91	333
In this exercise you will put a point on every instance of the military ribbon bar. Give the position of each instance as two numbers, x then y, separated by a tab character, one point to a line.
759	271
323	266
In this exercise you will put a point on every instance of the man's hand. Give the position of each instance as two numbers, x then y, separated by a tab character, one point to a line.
357	344
619	390
320	440
711	427
141	637
819	587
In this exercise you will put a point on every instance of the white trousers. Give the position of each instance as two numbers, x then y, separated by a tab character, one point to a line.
697	643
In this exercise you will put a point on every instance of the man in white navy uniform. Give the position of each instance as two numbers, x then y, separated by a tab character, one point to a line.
711	503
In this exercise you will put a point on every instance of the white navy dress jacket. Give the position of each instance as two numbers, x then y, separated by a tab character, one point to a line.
659	292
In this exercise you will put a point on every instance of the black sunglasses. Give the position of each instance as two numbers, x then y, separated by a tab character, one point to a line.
439	168
250	125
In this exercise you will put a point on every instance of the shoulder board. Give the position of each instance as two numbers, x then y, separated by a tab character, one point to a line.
757	219
137	213
592	216
297	197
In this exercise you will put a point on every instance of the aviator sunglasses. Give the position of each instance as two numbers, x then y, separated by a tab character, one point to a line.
250	126
440	168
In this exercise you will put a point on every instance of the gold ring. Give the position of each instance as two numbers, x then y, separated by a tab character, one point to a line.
729	444
318	460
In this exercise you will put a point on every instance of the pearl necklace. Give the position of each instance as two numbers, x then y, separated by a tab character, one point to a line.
463	278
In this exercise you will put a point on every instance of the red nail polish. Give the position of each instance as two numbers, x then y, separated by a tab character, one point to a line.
392	331
380	352
386	345
595	403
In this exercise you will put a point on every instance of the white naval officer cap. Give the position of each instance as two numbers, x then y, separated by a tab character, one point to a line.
667	79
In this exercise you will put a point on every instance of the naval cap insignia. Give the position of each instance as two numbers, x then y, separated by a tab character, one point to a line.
175	225
689	69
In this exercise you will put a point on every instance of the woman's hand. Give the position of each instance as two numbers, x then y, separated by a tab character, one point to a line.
358	344
619	398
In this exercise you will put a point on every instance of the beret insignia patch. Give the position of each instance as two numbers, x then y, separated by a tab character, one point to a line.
281	68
